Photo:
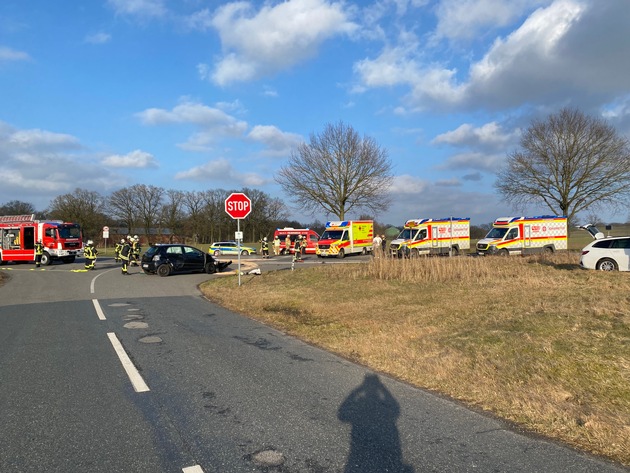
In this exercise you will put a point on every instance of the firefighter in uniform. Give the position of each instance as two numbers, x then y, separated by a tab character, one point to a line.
303	244
276	245
117	249
135	249
39	251
297	249
264	247
90	254
125	253
287	245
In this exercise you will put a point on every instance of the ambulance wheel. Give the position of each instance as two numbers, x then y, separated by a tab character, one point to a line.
504	252
341	254
46	259
455	251
548	250
163	270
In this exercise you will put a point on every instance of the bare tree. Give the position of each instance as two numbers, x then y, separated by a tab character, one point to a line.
149	205
339	172
571	162
123	207
88	208
172	214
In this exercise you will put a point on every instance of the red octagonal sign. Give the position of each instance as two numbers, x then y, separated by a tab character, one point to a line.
238	205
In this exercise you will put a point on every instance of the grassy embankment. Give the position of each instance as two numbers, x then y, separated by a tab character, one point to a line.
535	340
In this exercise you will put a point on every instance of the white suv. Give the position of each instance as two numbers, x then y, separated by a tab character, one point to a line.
606	254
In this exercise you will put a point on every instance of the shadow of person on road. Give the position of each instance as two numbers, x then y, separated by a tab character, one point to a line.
375	442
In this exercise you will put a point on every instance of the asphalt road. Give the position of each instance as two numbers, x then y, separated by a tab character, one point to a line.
101	372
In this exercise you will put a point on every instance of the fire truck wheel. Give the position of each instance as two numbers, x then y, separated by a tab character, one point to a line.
163	270
341	254
46	259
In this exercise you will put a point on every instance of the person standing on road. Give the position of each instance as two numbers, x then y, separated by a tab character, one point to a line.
39	252
135	250
264	247
276	245
117	249
125	253
90	254
297	249
287	245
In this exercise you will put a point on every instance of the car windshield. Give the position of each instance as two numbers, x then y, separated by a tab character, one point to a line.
332	235
497	233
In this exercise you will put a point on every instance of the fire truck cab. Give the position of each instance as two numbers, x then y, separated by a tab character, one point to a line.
19	233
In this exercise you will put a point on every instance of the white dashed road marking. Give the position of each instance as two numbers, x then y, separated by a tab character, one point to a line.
134	376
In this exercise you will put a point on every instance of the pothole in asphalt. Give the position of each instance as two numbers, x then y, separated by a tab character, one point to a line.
134	325
132	310
268	458
118	304
133	317
150	339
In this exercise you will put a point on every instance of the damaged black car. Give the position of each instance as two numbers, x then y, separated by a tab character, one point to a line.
167	259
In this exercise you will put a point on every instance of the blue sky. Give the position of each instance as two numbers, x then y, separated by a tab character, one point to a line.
200	94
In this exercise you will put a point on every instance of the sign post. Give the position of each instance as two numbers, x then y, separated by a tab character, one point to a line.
238	206
105	237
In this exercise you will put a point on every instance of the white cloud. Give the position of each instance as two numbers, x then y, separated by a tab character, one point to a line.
473	160
9	54
277	142
487	136
562	53
259	43
34	140
135	159
41	164
214	123
140	8
221	170
466	19
98	38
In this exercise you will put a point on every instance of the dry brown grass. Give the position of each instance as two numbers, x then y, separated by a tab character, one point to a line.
535	340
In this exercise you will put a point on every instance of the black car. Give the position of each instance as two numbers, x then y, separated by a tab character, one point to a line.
165	259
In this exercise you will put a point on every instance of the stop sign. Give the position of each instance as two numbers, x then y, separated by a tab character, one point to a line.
238	205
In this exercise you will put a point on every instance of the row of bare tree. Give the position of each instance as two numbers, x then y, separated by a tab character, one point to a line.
167	214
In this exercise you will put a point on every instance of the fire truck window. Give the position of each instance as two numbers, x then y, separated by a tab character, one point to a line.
50	232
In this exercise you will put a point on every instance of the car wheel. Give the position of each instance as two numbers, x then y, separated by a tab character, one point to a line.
211	268
606	264
244	253
163	270
217	252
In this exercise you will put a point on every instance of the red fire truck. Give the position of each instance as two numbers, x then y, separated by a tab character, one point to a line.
19	233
